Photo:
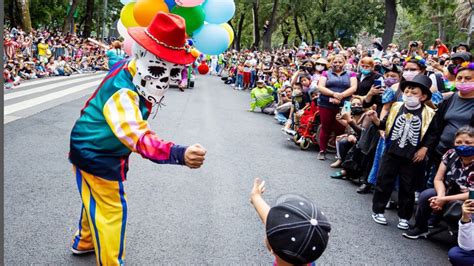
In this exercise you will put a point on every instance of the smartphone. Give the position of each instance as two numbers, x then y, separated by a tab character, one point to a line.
347	107
471	194
377	83
432	52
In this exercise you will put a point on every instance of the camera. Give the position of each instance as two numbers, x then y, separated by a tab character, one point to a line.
414	44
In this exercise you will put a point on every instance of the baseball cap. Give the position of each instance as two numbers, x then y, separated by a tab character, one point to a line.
297	230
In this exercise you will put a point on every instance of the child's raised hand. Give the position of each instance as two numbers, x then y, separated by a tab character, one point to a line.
258	188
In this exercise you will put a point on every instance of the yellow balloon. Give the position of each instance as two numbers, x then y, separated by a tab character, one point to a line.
126	16
230	31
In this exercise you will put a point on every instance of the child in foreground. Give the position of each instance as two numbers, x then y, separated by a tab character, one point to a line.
297	232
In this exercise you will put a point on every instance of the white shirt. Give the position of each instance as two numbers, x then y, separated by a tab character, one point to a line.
466	236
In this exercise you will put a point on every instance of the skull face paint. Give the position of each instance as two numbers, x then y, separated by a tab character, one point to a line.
153	74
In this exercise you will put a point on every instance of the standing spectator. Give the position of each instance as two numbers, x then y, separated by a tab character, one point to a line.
411	132
440	47
43	49
336	86
115	53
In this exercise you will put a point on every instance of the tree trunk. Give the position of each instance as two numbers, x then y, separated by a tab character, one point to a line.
256	29
285	32
89	15
310	29
69	19
390	21
267	38
297	28
23	7
239	32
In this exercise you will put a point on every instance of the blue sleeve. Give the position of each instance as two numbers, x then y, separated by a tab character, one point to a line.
176	156
388	96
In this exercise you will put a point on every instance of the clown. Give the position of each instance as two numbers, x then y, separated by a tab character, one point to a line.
113	124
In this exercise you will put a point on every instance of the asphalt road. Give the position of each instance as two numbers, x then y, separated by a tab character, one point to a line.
182	216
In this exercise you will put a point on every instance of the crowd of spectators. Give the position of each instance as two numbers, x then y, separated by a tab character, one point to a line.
397	119
43	53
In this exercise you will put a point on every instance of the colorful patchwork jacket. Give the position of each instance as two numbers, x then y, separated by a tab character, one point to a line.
113	124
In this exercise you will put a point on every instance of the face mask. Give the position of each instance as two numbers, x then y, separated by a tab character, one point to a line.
319	68
336	68
390	81
411	102
153	74
409	75
464	150
357	110
465	87
365	72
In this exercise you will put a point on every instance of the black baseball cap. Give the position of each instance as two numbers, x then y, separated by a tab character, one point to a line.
297	231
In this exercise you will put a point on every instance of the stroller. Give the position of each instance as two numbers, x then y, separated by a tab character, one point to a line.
307	132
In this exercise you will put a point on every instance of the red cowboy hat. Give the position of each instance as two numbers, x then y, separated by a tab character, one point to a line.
165	37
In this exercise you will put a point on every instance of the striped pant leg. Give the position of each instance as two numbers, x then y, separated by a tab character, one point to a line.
83	237
105	206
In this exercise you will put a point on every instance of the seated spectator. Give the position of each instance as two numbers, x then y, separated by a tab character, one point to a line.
451	182
294	216
300	102
284	104
10	80
464	253
262	98
354	125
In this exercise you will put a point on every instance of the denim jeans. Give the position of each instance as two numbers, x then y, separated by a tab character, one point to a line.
240	80
281	118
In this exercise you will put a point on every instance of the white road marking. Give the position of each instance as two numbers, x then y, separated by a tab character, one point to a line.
44	88
46	98
41	81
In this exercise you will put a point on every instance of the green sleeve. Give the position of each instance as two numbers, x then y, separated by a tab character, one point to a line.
254	100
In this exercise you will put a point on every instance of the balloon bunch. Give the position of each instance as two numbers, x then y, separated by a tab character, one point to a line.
206	21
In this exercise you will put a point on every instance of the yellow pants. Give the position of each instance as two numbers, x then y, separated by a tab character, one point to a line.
103	218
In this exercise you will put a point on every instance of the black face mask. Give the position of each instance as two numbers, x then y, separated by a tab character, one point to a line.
357	110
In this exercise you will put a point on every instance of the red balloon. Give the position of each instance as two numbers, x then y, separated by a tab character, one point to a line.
203	69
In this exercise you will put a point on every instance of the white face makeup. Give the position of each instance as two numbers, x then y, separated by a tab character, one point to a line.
153	74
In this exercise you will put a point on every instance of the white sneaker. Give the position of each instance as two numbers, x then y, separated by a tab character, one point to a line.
403	224
379	218
300	140
80	252
290	132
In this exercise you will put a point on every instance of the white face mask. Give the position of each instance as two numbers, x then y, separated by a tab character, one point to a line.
409	75
319	68
411	102
153	74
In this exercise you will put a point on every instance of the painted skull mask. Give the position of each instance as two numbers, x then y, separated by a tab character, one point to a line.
153	74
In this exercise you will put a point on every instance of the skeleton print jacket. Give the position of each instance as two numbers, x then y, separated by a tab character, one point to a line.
407	131
113	124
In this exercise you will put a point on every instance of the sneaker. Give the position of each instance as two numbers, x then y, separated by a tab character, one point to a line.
300	140
80	252
321	156
403	224
416	233
290	132
379	218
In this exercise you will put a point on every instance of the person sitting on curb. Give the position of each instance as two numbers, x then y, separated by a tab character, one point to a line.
297	232
464	253
262	97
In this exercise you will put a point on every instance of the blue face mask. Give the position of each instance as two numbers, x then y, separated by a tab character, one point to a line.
464	150
365	71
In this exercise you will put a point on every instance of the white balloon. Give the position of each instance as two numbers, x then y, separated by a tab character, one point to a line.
122	30
124	2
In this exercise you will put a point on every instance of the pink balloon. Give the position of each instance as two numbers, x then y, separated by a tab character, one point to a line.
189	3
127	46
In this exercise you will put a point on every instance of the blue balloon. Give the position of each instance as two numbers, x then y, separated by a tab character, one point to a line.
170	4
219	11
211	39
